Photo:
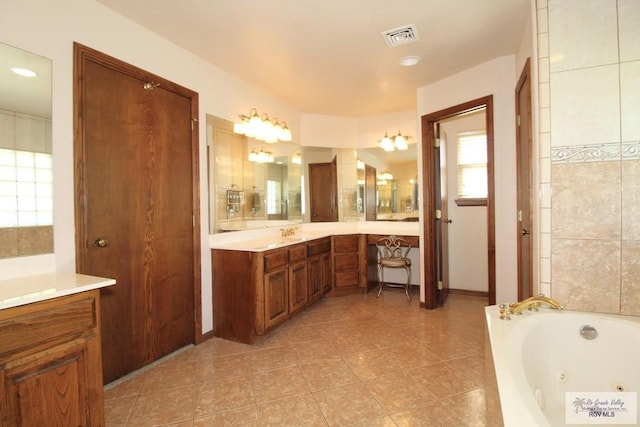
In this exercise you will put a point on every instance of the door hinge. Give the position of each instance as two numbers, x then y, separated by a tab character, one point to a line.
520	215
193	221
518	120
438	214
436	143
194	122
440	285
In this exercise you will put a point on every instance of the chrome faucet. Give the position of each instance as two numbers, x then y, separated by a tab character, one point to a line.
531	303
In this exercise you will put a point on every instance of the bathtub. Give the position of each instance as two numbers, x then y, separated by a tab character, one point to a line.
541	355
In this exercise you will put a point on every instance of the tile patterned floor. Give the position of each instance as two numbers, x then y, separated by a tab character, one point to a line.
347	361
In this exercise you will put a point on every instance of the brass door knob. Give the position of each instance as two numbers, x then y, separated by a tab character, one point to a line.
524	232
100	243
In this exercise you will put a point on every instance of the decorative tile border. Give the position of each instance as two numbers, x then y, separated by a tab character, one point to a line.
587	153
631	150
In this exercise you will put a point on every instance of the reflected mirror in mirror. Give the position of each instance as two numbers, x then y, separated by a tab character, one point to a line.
372	184
396	184
26	163
252	184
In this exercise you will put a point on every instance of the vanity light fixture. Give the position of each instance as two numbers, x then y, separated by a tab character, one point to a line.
399	142
385	176
262	127
296	158
359	163
261	156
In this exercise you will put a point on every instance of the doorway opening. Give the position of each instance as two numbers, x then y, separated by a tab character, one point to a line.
435	218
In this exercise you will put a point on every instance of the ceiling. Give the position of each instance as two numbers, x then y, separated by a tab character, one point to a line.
328	56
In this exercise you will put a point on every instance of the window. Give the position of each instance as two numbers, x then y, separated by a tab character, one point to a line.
274	196
26	188
472	169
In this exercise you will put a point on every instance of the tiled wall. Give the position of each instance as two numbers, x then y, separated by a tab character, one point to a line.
589	110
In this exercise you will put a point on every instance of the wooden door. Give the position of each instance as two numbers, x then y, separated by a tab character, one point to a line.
137	207
323	189
431	166
523	164
441	217
370	185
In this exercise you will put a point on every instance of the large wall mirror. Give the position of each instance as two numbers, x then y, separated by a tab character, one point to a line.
372	184
252	184
26	163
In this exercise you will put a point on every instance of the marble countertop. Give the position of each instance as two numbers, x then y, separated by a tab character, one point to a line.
28	289
260	240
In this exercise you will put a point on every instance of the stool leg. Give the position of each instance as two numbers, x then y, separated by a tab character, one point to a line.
407	288
380	279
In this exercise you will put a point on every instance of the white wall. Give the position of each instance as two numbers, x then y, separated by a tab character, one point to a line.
495	77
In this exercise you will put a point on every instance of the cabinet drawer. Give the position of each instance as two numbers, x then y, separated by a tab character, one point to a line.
347	279
346	262
297	252
275	259
318	247
342	244
34	329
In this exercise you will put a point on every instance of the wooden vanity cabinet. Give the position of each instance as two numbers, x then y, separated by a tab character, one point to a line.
298	283
276	288
319	268
51	363
349	263
253	292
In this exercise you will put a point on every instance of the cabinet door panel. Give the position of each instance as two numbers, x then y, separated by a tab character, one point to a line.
276	295
51	385
298	288
325	265
314	266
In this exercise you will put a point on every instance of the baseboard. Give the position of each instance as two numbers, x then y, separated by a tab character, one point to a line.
470	293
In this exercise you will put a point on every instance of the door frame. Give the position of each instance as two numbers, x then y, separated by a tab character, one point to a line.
429	243
83	54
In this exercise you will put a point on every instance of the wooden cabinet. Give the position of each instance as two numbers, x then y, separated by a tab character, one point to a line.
51	363
319	267
298	283
276	287
349	263
253	292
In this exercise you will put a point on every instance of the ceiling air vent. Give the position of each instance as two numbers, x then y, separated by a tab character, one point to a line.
401	35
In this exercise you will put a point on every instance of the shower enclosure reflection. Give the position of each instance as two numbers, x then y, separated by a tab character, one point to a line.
246	190
26	161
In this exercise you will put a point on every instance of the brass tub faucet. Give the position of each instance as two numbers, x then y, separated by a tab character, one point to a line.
531	304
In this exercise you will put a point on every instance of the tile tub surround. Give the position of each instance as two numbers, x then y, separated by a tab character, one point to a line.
354	360
589	152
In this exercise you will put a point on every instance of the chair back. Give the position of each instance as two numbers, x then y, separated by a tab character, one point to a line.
393	247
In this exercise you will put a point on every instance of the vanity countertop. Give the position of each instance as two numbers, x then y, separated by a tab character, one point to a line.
260	240
28	289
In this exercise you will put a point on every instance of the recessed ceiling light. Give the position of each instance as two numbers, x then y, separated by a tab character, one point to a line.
24	72
409	61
